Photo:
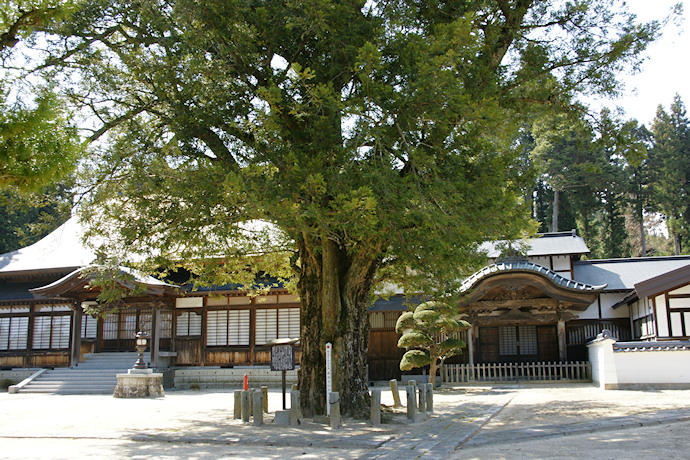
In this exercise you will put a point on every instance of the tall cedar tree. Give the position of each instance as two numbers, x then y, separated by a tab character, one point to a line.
377	136
669	161
589	166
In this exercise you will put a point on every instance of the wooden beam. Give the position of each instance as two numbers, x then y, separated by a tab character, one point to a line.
514	304
562	349
75	343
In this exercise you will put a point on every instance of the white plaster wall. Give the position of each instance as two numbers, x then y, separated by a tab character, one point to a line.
561	263
610	299
661	318
596	357
592	312
679	303
663	368
682	290
653	367
601	357
543	261
189	302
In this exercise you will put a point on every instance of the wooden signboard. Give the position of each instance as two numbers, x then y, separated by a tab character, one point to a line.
282	357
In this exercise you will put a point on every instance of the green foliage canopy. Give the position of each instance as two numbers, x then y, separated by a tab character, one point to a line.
38	142
38	145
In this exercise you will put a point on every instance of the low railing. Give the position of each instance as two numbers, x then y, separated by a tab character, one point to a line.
574	371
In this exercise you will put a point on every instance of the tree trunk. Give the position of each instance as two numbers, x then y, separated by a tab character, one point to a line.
643	240
554	216
334	287
432	372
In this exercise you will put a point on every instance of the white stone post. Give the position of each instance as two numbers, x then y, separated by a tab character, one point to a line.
376	406
258	408
411	401
295	413
430	397
334	404
237	413
422	397
396	393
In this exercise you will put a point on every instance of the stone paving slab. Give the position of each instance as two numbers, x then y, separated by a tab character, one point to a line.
614	423
438	437
338	440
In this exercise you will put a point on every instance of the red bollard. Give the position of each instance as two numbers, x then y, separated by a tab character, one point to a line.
246	383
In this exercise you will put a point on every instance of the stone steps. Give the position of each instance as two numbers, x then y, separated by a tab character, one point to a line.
97	374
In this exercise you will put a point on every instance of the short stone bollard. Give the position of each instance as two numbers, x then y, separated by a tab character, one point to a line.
238	404
258	408
376	406
422	397
430	398
412	382
295	413
264	394
411	402
396	393
251	399
334	402
246	406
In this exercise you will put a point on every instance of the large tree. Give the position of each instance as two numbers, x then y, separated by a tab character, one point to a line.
377	137
669	163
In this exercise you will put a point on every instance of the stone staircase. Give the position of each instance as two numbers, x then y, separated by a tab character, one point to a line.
96	374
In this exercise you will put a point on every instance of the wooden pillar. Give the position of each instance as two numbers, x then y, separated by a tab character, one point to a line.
75	345
562	350
155	334
472	334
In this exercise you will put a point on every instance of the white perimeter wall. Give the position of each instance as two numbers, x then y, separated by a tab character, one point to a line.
631	369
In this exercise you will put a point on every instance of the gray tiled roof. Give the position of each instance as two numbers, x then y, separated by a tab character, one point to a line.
83	273
520	265
63	248
18	291
396	302
553	244
674	345
623	274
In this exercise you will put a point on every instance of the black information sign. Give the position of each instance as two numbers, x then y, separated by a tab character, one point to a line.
282	358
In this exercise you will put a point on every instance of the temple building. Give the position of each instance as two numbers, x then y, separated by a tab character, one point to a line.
545	305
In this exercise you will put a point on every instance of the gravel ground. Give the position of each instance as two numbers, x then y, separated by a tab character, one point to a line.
200	424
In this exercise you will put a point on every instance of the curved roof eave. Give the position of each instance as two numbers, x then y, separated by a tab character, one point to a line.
552	278
79	277
530	267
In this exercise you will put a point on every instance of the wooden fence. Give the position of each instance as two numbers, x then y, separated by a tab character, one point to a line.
575	371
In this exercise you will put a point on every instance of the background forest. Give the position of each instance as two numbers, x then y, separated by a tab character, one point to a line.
623	186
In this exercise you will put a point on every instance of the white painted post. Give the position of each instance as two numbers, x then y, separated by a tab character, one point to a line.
329	377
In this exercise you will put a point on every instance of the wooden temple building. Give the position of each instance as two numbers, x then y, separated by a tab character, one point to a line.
544	306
